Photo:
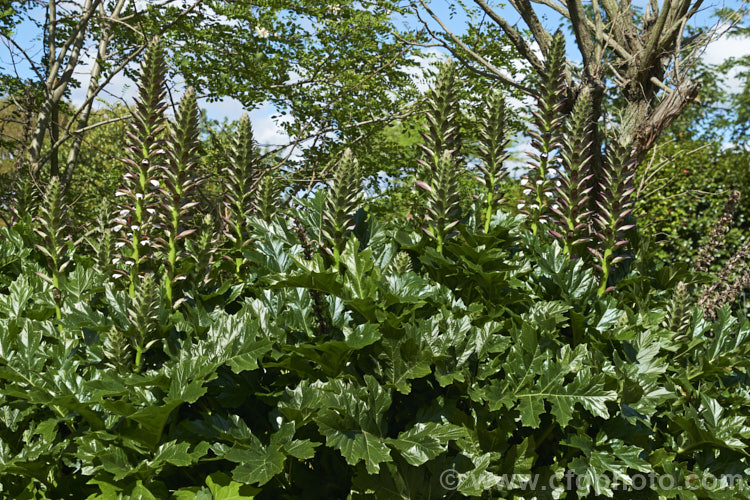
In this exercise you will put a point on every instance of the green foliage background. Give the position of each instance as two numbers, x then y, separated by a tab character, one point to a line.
688	195
327	352
336	349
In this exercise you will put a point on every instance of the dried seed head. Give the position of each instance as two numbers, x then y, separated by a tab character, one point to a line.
717	235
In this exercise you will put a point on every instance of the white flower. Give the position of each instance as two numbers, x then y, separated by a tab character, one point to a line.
130	262
154	183
261	32
558	183
115	260
151	211
145	243
519	206
119	244
527	191
135	227
334	9
117	228
524	181
539	182
124	213
534	207
139	196
120	193
555	206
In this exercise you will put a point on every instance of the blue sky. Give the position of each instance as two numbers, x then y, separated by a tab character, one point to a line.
268	132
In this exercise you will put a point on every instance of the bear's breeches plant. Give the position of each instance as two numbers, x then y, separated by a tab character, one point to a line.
308	349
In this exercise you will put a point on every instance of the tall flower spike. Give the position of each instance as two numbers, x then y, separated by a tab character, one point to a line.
143	316
718	233
182	152
267	197
25	197
443	209
143	163
574	180
546	136
101	239
728	283
614	206
678	309
341	204
51	227
116	350
441	163
493	141
202	250
400	265
442	110
239	179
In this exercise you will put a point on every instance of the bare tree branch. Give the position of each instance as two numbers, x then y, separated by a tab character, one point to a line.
514	36
491	67
541	35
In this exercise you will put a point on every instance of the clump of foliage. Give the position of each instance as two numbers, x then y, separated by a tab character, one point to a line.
477	349
683	189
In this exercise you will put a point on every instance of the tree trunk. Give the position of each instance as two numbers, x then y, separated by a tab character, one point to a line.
54	136
40	130
58	78
96	72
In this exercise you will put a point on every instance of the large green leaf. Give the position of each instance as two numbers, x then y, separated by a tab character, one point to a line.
425	441
352	422
546	380
259	464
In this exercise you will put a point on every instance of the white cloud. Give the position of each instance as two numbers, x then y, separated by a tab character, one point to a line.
724	48
265	129
228	108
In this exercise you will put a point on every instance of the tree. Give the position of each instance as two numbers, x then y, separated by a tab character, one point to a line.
329	94
643	58
287	53
70	31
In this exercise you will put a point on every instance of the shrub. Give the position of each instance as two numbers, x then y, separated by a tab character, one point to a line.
683	200
349	356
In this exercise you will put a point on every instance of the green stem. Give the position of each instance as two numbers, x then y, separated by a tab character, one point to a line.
138	356
58	297
488	214
605	273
